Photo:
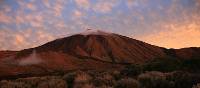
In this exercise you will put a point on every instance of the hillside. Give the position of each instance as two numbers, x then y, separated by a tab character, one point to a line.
90	50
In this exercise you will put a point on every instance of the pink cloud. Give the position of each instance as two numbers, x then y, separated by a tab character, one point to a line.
13	40
130	3
46	3
19	39
31	6
6	8
58	7
85	4
4	18
78	14
104	6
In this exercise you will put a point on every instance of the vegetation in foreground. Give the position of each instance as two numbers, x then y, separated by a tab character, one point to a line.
160	73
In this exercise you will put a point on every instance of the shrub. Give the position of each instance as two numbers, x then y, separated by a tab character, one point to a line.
116	75
33	81
127	83
88	86
132	70
170	64
82	79
11	84
191	65
69	78
183	79
103	79
154	80
53	83
163	64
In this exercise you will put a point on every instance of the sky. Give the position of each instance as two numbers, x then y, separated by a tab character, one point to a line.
165	23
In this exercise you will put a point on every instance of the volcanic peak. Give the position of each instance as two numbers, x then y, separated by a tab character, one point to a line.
94	32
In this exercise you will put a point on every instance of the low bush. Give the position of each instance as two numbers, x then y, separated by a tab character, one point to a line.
104	79
163	64
127	83
132	70
11	84
53	83
183	79
69	78
191	65
81	79
154	79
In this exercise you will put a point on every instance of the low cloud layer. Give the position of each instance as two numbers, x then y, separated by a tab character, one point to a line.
29	23
30	60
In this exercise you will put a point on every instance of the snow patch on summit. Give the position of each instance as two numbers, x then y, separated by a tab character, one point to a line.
94	32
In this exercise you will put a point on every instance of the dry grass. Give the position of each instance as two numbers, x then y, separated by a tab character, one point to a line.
84	79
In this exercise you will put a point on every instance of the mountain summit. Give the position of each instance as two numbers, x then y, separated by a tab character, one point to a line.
94	32
92	49
102	46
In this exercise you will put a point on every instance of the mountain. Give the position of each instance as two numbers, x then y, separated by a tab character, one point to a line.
4	54
93	49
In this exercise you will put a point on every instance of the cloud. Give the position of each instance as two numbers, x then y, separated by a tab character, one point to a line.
19	20
42	35
60	25
6	8
4	18
31	6
130	3
104	6
85	4
14	41
30	60
77	14
19	39
46	3
33	22
138	3
101	6
58	7
178	36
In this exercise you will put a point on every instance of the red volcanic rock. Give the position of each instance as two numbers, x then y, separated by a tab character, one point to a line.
6	53
187	53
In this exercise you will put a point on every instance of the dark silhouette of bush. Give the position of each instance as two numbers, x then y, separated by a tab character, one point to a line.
53	83
183	79
154	79
163	64
116	75
104	79
170	64
127	83
69	78
132	70
11	84
35	82
191	65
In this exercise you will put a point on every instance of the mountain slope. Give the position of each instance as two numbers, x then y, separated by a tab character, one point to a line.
95	50
109	48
